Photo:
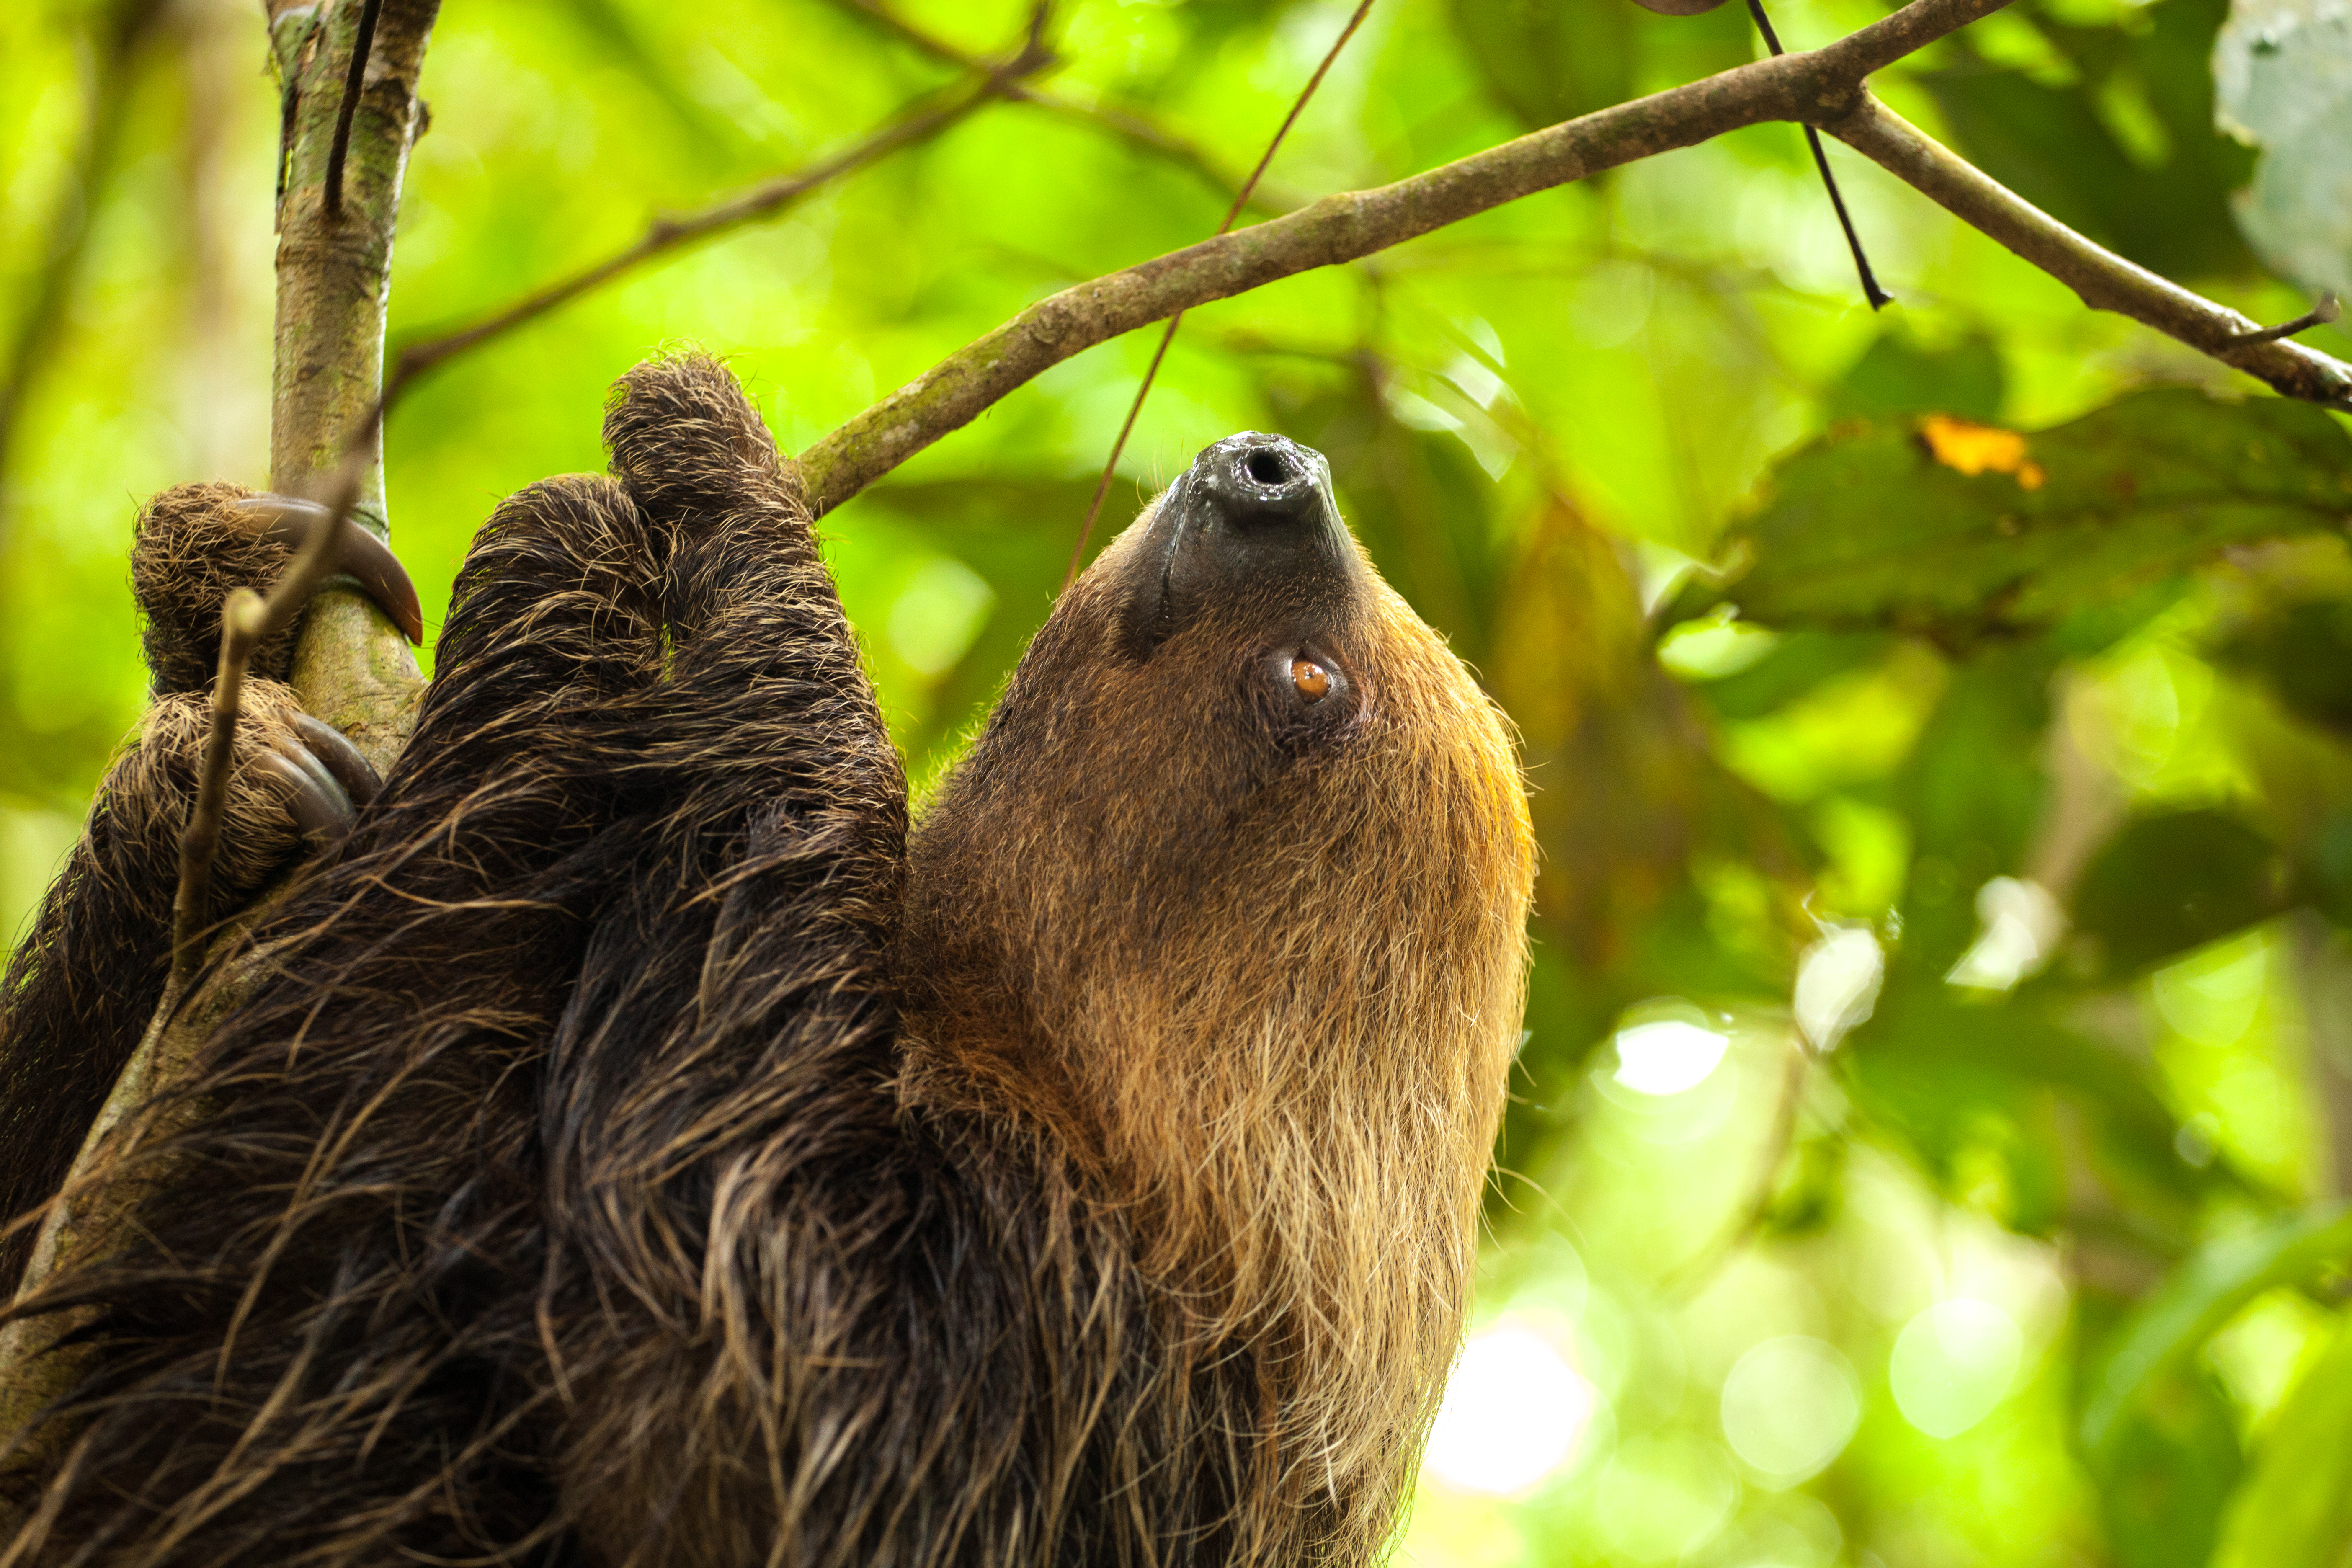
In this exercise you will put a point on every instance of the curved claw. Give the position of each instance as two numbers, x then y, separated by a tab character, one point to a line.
357	551
313	799
340	757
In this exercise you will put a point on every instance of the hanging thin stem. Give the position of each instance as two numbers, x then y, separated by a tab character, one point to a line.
362	41
1878	297
1241	200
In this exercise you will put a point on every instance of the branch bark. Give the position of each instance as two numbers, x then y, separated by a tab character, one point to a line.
2103	280
1820	87
352	667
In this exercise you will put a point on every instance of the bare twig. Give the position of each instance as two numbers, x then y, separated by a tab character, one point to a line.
912	127
2104	281
1879	299
2319	315
248	620
1126	122
121	31
362	40
1241	198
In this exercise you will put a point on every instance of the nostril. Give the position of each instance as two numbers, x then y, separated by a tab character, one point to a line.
1268	466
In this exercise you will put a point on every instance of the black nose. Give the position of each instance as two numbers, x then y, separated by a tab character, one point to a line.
1254	482
1250	530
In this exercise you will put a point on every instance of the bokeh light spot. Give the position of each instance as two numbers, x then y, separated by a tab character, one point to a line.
1790	1407
1667	1056
1953	1364
1512	1415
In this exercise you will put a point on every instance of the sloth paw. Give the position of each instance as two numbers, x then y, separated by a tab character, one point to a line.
295	785
196	542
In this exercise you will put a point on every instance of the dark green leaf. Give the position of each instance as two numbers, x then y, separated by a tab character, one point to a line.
2126	151
2169	1472
1896	375
1868	528
1544	62
2167	884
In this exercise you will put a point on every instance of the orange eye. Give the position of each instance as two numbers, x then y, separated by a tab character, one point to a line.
1313	681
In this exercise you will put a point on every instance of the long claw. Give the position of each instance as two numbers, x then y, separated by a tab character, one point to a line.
357	551
316	803
340	757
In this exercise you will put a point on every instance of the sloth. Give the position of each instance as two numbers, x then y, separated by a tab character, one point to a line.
642	1147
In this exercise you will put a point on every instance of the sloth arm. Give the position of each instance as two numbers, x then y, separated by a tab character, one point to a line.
593	996
81	988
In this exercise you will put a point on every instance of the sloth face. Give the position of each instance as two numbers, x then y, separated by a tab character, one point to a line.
1243	567
1233	751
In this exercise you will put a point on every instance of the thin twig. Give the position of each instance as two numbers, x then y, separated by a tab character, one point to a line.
2103	280
1878	297
909	128
2319	315
362	40
1151	370
1125	122
248	620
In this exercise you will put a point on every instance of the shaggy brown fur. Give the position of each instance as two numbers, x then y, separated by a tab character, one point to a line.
643	1155
79	992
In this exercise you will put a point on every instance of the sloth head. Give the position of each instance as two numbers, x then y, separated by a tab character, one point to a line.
1227	898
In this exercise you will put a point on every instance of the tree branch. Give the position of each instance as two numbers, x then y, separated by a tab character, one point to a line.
1813	87
1820	87
352	666
913	126
2103	280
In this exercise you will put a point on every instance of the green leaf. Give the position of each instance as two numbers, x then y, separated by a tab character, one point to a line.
2204	1293
1545	63
2126	151
2294	1509
2282	70
2170	1474
2302	651
1877	526
2167	884
1896	376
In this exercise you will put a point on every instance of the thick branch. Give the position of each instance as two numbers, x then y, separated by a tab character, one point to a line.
2104	281
1818	86
910	129
353	668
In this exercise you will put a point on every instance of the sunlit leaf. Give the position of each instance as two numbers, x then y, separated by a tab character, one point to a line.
2282	70
2295	1509
2198	1298
1871	528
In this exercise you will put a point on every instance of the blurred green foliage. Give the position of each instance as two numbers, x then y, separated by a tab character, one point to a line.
1931	1135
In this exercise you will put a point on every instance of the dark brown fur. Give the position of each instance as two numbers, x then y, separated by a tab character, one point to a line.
80	990
640	1156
